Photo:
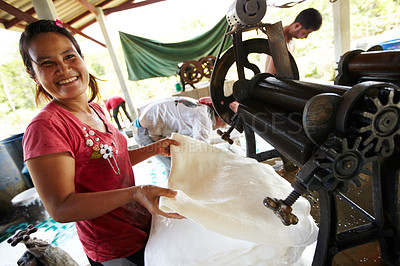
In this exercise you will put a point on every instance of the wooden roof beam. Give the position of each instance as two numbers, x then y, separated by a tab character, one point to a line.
86	14
15	21
76	31
88	6
16	12
24	16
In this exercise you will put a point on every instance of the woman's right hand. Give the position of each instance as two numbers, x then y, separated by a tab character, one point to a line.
149	197
163	147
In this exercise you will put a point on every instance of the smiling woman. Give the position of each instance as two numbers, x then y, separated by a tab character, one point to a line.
90	180
58	67
179	20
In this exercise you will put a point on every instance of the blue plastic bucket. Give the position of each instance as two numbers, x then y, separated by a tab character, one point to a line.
13	145
11	181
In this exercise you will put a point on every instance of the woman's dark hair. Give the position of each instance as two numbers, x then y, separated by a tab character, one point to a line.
44	26
309	18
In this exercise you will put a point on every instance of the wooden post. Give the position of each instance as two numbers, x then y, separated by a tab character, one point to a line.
341	25
101	20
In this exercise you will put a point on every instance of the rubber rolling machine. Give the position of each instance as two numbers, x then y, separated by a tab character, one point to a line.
340	135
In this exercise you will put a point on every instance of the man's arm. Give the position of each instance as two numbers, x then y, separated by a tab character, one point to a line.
269	65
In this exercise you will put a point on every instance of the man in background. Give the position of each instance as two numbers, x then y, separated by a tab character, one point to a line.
182	115
307	21
114	103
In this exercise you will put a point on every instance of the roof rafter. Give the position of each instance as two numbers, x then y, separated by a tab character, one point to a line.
88	6
21	15
15	21
86	14
83	18
16	12
83	34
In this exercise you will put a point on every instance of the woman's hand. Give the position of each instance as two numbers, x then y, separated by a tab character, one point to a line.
149	197
162	147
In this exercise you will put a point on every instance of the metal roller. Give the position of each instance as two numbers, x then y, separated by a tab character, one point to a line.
358	65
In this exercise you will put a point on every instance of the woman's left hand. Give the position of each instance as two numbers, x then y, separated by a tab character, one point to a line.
163	146
149	197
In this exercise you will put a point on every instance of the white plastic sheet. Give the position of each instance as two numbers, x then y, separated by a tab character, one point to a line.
221	194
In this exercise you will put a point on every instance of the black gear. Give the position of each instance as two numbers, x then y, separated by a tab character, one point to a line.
383	121
343	164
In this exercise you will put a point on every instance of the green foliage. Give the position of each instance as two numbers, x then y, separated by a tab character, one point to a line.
194	25
16	86
15	122
97	69
372	17
17	105
311	71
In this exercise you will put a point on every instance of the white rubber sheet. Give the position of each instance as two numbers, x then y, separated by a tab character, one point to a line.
221	195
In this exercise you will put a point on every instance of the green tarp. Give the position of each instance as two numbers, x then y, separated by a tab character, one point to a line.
147	58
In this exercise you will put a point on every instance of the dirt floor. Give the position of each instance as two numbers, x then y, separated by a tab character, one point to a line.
367	254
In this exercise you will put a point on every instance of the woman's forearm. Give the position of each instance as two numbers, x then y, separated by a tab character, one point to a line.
84	206
161	147
140	154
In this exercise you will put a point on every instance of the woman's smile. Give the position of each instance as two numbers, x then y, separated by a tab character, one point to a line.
58	67
66	81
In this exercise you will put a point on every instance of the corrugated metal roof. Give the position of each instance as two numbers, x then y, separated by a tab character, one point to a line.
75	14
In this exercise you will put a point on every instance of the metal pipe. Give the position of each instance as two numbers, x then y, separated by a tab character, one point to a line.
282	130
357	65
375	64
289	95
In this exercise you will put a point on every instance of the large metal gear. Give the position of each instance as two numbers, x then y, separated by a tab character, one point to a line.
343	164
384	122
372	110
